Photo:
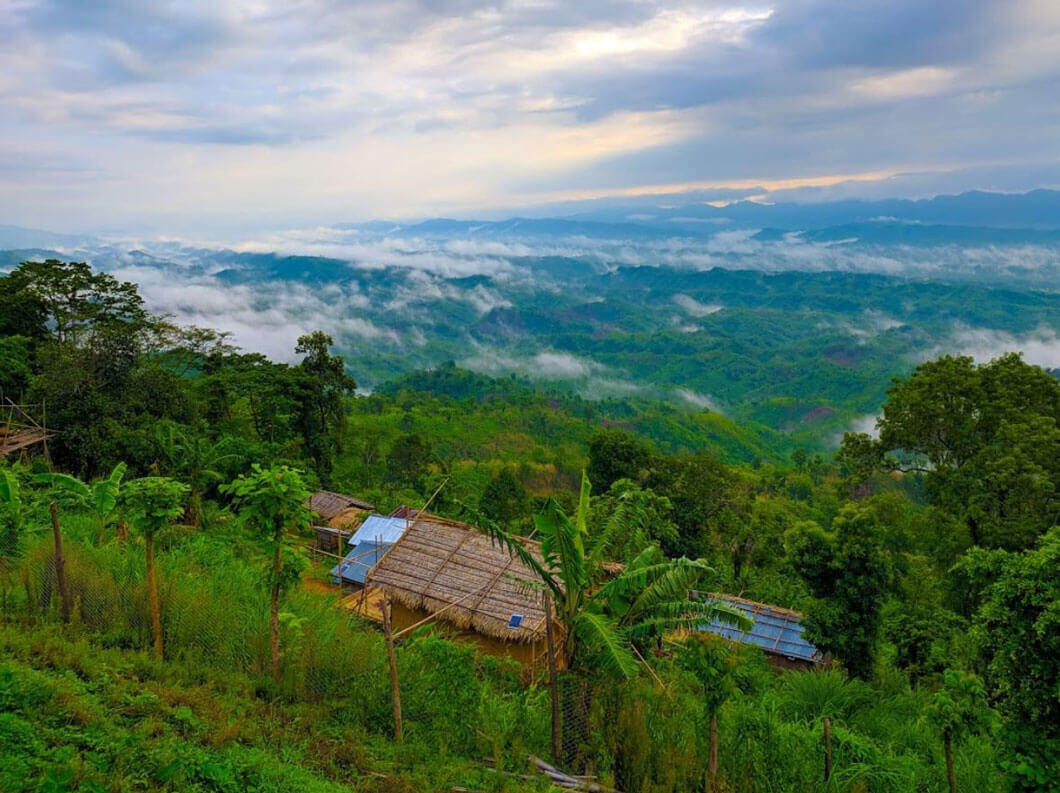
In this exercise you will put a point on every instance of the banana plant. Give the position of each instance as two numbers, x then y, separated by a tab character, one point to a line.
100	498
12	510
604	618
195	459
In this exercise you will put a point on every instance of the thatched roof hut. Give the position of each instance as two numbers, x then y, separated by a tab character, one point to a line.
454	572
337	510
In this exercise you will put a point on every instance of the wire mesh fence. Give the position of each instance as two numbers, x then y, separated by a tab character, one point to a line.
214	613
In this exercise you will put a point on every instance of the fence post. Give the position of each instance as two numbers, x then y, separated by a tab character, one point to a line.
395	689
60	572
712	761
557	741
827	749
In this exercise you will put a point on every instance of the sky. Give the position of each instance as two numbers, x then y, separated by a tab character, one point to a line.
192	117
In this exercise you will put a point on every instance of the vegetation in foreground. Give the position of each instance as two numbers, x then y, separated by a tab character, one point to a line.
184	645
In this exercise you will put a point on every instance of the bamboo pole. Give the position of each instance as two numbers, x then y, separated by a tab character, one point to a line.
553	684
152	593
712	762
395	688
60	564
827	749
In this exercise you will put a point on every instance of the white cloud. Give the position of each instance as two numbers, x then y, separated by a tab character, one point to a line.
694	308
1040	347
698	400
563	366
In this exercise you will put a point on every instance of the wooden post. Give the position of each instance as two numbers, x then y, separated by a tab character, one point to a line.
274	613
152	593
557	738
827	749
60	564
712	761
395	689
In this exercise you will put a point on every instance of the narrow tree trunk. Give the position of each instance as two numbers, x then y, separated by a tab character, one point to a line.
60	565
152	592
274	615
951	776
712	761
193	512
553	685
827	749
395	688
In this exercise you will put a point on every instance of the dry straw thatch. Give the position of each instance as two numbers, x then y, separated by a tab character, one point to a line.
444	566
328	505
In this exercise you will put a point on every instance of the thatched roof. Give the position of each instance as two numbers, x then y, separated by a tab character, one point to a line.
441	564
327	504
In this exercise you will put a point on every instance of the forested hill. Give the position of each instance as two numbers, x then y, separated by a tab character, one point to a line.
164	628
798	328
553	415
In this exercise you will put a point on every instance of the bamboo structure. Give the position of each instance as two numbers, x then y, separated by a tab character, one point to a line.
451	570
19	430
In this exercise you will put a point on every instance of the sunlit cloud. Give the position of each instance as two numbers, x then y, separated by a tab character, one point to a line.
215	117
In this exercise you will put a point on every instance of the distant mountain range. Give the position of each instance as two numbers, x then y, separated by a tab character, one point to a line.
1018	212
793	317
998	218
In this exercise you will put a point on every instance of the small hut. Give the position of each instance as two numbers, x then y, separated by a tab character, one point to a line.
448	572
778	631
338	515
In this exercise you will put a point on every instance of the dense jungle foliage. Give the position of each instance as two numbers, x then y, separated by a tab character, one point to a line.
190	644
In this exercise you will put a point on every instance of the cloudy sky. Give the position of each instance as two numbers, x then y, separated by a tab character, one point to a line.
183	116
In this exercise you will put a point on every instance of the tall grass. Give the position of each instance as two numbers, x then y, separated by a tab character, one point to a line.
647	735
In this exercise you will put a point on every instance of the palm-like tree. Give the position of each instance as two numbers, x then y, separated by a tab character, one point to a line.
603	619
153	503
196	459
100	497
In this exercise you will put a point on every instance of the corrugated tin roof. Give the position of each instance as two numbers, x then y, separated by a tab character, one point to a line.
359	561
776	630
377	529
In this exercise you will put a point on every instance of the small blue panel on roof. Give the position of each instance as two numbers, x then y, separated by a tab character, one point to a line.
359	561
378	529
777	631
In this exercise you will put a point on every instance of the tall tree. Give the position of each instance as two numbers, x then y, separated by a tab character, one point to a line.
271	502
614	455
321	410
957	710
153	503
504	498
849	575
1018	631
986	438
75	300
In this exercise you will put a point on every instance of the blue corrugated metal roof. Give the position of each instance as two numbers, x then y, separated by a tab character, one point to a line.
378	529
361	558
776	630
